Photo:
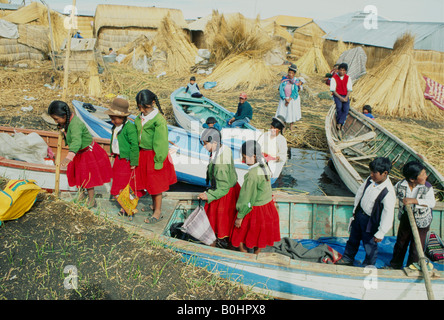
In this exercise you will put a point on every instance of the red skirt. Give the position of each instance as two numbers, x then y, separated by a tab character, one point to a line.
222	212
151	180
260	227
89	168
121	175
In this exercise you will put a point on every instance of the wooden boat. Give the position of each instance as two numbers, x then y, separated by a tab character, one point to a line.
191	113
43	174
364	139
190	158
301	217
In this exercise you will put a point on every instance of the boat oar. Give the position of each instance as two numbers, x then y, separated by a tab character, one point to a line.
422	258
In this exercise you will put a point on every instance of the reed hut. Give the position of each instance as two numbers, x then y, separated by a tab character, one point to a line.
302	39
238	46
117	25
396	87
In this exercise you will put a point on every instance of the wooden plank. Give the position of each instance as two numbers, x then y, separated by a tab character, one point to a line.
368	156
365	137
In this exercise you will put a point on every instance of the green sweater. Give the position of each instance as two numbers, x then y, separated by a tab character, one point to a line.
154	136
128	143
255	191
222	173
77	137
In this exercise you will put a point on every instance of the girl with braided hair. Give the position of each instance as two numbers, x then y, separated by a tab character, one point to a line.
155	172
224	189
88	165
257	223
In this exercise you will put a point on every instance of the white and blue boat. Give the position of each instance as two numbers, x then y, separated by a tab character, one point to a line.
190	158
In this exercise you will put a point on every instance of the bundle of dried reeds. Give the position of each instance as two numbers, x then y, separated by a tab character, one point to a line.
313	61
340	48
395	87
239	48
180	52
137	49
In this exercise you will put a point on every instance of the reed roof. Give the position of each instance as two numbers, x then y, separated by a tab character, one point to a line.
132	16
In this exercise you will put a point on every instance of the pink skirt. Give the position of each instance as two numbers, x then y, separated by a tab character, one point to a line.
89	168
151	180
121	175
222	212
259	228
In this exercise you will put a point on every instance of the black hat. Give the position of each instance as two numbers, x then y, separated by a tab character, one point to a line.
293	67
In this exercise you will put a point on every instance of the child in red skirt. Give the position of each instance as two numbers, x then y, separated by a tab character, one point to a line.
155	172
124	147
224	189
88	164
257	223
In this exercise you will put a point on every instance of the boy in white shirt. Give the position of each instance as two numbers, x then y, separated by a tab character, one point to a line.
373	213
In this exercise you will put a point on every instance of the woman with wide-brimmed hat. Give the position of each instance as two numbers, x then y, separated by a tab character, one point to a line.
124	146
290	103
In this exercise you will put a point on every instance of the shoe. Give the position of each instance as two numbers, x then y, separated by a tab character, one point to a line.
342	262
152	219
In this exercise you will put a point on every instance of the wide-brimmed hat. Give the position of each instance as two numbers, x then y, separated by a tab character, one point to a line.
293	67
119	108
280	119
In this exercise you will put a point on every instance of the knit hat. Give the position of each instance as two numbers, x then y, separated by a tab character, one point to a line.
243	95
119	108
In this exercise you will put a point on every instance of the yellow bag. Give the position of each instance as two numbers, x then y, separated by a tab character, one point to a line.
128	199
17	198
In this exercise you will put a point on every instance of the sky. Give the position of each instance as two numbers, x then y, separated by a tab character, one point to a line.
401	10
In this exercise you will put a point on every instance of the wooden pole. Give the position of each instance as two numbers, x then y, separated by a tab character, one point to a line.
65	89
422	258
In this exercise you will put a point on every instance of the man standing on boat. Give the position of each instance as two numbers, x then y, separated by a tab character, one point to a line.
341	86
244	113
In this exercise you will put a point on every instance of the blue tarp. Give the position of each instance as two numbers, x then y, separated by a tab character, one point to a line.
385	250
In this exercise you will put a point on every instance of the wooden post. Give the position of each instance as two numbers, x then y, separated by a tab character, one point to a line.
422	258
65	89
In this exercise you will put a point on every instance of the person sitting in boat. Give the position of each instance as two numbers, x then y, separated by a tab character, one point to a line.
415	191
211	122
373	213
224	189
257	222
193	88
274	145
87	163
244	113
124	147
367	111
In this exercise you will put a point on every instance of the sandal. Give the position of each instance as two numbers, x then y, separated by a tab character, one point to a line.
151	219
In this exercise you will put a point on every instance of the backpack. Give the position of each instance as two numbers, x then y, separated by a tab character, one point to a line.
17	198
434	247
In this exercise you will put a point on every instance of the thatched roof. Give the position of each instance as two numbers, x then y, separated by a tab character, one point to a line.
131	16
290	21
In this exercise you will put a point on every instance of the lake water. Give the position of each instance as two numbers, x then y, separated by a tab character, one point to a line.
306	171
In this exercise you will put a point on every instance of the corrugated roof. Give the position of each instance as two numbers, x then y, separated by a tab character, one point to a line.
9	6
290	21
428	35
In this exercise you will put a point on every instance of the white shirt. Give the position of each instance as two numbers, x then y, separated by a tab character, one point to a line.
428	201
368	201
274	146
115	145
333	84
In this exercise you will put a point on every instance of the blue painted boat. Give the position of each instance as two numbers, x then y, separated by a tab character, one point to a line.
190	158
191	113
311	220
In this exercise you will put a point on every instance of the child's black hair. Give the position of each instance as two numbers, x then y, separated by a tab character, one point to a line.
252	148
192	78
380	165
343	66
146	97
412	169
368	108
60	109
211	120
